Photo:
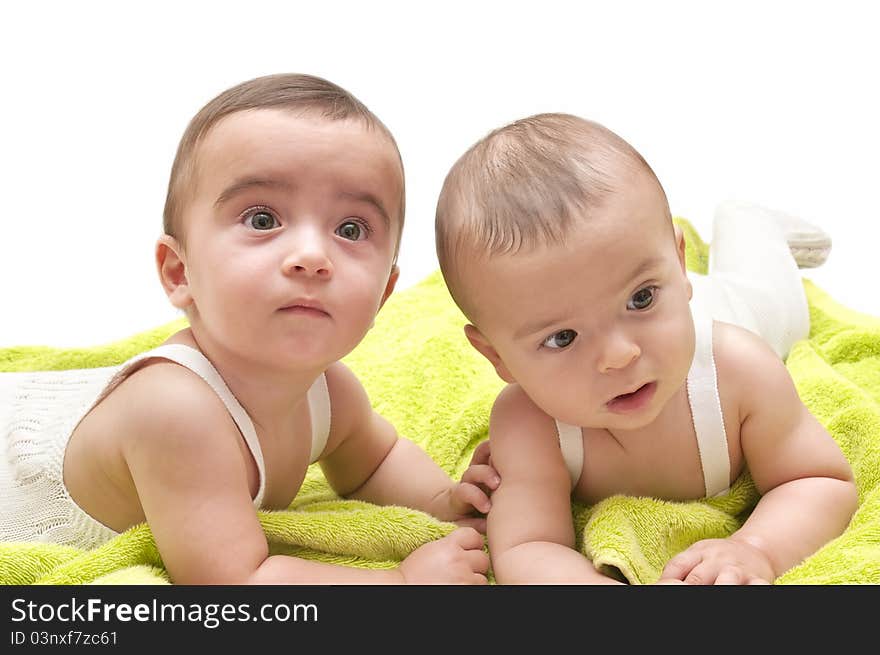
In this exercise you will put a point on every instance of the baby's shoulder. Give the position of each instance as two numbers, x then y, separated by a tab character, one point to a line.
734	345
514	413
342	384
523	439
745	361
161	401
177	437
349	402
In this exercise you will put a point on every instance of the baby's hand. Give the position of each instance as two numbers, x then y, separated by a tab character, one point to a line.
720	562
480	470
457	558
481	473
467	502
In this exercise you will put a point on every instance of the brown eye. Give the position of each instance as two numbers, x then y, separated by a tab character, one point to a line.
562	339
351	230
641	299
262	220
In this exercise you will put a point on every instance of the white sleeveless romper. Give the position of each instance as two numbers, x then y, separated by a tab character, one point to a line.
38	413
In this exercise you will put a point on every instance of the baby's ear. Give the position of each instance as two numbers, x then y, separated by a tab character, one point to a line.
680	246
389	286
485	348
172	271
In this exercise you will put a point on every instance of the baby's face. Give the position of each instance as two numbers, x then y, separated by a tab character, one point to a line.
290	236
597	332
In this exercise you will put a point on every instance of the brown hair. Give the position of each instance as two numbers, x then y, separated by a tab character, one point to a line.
525	184
296	92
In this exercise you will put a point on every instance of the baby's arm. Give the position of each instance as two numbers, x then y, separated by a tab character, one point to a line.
188	462
365	459
531	534
807	491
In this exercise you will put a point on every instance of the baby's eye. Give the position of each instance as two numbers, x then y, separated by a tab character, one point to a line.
352	230
642	299
561	339
262	220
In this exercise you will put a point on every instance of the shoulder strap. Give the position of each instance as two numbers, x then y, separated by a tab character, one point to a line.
201	366
571	442
702	388
319	409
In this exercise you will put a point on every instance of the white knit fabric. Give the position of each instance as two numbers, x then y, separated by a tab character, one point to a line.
38	413
753	280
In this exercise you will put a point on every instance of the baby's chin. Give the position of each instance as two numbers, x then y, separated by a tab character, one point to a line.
603	418
629	422
606	421
301	354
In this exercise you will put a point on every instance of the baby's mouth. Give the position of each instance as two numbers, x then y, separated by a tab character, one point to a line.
635	400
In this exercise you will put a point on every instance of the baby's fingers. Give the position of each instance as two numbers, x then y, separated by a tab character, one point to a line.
466	538
481	454
478	560
467	496
478	524
482	474
681	565
707	573
731	575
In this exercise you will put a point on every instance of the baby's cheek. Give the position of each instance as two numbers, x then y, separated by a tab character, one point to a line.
678	343
565	399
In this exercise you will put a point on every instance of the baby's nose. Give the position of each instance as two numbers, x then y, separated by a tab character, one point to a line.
308	256
619	351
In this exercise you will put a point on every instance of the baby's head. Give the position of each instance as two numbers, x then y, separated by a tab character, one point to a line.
283	220
555	239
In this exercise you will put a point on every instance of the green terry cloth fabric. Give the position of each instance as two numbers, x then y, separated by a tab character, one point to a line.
423	376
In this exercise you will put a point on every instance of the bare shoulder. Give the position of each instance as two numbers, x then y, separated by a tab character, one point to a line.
191	470
360	438
519	427
747	363
781	439
166	407
738	348
343	384
349	403
514	411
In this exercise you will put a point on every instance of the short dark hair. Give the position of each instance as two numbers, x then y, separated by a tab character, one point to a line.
525	184
293	91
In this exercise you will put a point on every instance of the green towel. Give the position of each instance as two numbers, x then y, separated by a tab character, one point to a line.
423	376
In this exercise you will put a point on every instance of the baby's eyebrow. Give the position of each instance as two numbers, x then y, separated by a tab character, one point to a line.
366	196
253	182
249	183
535	326
645	266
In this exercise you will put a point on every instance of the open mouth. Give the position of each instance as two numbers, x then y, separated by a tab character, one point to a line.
630	402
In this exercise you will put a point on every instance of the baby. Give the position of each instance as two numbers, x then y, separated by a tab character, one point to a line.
282	223
555	239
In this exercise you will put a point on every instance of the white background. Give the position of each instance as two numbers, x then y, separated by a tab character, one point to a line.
773	102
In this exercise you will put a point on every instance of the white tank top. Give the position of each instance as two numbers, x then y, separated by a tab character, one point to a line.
38	413
705	404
